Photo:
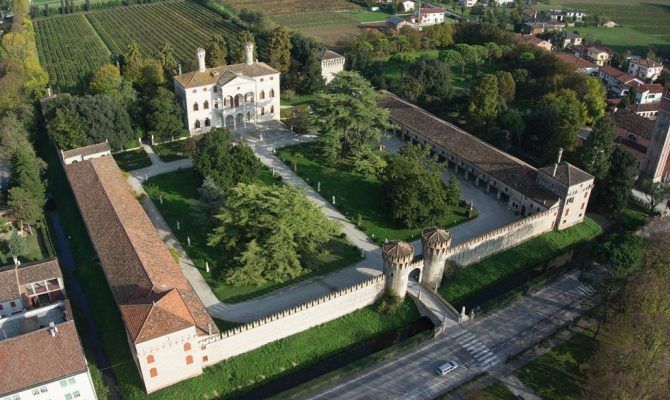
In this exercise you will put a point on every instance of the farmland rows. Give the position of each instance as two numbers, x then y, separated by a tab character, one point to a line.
646	17
69	49
316	18
274	7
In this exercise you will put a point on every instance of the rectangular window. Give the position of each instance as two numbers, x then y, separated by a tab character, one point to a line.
68	396
36	392
76	394
70	381
12	304
194	91
567	211
582	206
571	200
586	194
1	307
63	383
204	89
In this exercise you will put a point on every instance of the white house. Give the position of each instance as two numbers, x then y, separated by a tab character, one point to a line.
648	93
467	3
331	64
645	69
428	16
233	96
408	5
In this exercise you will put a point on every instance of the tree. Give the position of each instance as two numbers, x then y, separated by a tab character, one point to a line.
351	121
151	76
619	181
279	49
298	119
311	80
484	104
167	61
441	35
26	207
433	75
227	164
211	199
414	190
468	55
513	126
164	119
596	153
132	62
654	192
271	231
13	136
68	129
106	80
360	55
238	54
17	245
592	93
623	253
506	85
217	52
450	57
402	60
562	116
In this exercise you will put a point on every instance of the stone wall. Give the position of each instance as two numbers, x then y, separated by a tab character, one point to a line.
501	239
291	321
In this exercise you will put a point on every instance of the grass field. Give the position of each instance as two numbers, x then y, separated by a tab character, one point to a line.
73	46
277	7
69	49
498	391
355	194
558	374
34	249
179	192
171	151
627	38
488	272
132	159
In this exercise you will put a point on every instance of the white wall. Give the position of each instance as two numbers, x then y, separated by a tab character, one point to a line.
79	387
289	322
7	309
331	67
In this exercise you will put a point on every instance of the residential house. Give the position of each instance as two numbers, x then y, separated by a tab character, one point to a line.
41	356
645	69
536	28
408	5
581	64
428	16
610	24
646	110
397	23
467	3
331	64
600	55
534	40
232	96
566	16
648	93
572	39
617	82
632	133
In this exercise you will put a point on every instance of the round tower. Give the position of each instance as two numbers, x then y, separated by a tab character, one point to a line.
397	256
435	242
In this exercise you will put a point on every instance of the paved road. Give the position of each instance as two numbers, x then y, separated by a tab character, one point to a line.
482	345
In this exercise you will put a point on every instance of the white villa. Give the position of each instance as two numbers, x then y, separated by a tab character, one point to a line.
645	69
232	96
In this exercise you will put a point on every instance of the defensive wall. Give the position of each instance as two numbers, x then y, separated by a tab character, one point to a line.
288	322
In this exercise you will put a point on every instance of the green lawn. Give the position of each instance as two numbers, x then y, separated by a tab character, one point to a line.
34	249
296	99
498	391
242	373
494	269
558	374
171	151
372	16
179	192
132	159
627	38
633	219
355	194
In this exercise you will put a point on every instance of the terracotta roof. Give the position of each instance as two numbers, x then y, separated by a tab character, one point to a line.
645	62
578	62
646	107
634	123
435	237
211	75
87	150
327	55
432	10
12	278
567	174
138	266
398	251
501	166
36	358
167	313
651	88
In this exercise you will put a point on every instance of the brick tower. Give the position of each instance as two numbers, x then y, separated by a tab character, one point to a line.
659	146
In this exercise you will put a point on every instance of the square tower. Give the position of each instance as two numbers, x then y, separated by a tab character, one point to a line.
659	146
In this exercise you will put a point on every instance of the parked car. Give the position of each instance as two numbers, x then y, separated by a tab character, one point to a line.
446	367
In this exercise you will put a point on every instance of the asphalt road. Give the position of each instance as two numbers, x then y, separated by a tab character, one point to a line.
482	345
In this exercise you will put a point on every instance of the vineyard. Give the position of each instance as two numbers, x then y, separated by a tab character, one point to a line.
69	49
72	46
275	7
651	18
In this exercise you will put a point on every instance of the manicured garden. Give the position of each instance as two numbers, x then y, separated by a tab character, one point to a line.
560	373
355	194
171	151
179	193
486	273
35	250
132	159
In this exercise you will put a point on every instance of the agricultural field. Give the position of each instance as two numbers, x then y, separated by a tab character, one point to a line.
72	46
69	49
276	7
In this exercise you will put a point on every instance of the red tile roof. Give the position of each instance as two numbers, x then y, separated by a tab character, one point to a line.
645	62
12	278
36	358
651	88
578	62
432	10
137	264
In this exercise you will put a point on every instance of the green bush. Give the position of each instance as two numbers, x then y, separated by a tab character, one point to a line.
389	304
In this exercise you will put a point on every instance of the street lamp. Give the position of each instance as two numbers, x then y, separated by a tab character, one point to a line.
467	372
533	330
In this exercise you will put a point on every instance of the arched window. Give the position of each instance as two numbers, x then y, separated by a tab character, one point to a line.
238	100
195	106
197	123
150	358
272	109
272	93
205	105
248	115
262	110
189	360
207	123
262	95
187	346
153	372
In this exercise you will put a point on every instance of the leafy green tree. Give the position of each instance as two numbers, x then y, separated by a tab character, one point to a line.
506	85
619	181
106	80
279	49
271	231
593	95
513	126
654	192
17	245
484	104
402	60
238	54
26	207
217	52
595	155
351	122
311	80
441	35
623	253
562	116
164	119
495	52
414	190
167	61
450	57
211	199
468	55
13	136
360	55
68	129
132	62
433	75
226	163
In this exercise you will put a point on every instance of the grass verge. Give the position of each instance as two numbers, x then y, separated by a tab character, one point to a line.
558	374
132	159
498	391
179	193
171	151
355	194
494	269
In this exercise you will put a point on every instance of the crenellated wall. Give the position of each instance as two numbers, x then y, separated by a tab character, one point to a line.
501	239
291	321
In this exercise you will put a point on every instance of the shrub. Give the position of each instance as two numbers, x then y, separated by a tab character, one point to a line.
389	304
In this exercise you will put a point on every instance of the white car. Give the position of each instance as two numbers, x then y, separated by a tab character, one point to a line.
446	367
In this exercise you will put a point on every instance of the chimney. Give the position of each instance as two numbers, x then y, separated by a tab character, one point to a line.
249	53
53	329
200	53
560	154
179	68
16	261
